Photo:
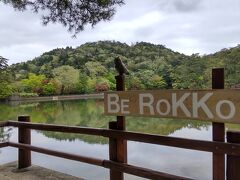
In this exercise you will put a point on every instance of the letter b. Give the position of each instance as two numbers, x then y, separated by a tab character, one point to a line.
113	106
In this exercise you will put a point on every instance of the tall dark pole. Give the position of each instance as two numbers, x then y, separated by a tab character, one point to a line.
218	129
121	124
118	147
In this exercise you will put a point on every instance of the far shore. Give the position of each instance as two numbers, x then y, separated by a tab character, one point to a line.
55	98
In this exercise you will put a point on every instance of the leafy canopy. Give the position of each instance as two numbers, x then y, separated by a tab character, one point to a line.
90	68
5	89
3	63
74	14
67	76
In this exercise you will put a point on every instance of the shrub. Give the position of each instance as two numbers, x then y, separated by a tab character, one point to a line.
24	94
100	87
5	90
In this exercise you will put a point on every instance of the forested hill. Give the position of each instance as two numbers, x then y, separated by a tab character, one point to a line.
151	66
139	58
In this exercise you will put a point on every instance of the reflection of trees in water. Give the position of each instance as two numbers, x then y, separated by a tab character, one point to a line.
143	125
162	126
234	127
72	137
5	134
88	113
10	112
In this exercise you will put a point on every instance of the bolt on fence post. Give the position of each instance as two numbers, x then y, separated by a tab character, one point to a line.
24	137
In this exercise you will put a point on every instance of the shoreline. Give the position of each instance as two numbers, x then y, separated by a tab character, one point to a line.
54	98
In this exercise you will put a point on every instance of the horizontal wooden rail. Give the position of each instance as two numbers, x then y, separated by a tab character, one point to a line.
57	128
4	144
134	170
139	171
200	145
84	159
3	124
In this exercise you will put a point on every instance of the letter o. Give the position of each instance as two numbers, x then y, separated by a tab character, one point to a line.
232	109
158	107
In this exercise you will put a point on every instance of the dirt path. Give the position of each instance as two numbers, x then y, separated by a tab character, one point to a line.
10	172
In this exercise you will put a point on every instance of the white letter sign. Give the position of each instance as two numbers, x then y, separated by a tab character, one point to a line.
208	105
113	106
201	104
143	103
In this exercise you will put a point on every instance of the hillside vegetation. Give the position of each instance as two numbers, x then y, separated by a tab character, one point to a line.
90	68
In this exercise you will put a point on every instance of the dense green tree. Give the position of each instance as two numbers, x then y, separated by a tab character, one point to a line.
5	87
49	87
38	84
95	69
156	82
230	60
33	83
68	76
4	75
134	83
3	63
101	85
91	85
82	85
190	74
5	90
151	66
145	76
111	80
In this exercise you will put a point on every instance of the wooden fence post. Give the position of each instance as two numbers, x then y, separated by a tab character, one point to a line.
218	129
113	153
118	147
233	162
24	137
121	124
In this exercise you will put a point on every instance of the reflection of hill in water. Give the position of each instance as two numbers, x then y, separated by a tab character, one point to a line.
88	113
72	137
143	125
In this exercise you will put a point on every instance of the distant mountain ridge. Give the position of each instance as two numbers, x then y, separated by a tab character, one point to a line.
144	60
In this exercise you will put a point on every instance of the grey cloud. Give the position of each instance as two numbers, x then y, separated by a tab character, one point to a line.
187	26
187	5
144	32
180	5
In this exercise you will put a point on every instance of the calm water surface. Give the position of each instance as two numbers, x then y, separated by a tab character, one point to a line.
88	113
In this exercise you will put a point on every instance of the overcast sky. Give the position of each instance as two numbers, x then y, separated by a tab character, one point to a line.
186	26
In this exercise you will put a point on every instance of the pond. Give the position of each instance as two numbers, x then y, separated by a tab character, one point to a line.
89	113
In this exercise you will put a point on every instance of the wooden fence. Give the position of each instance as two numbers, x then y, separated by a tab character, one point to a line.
231	148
